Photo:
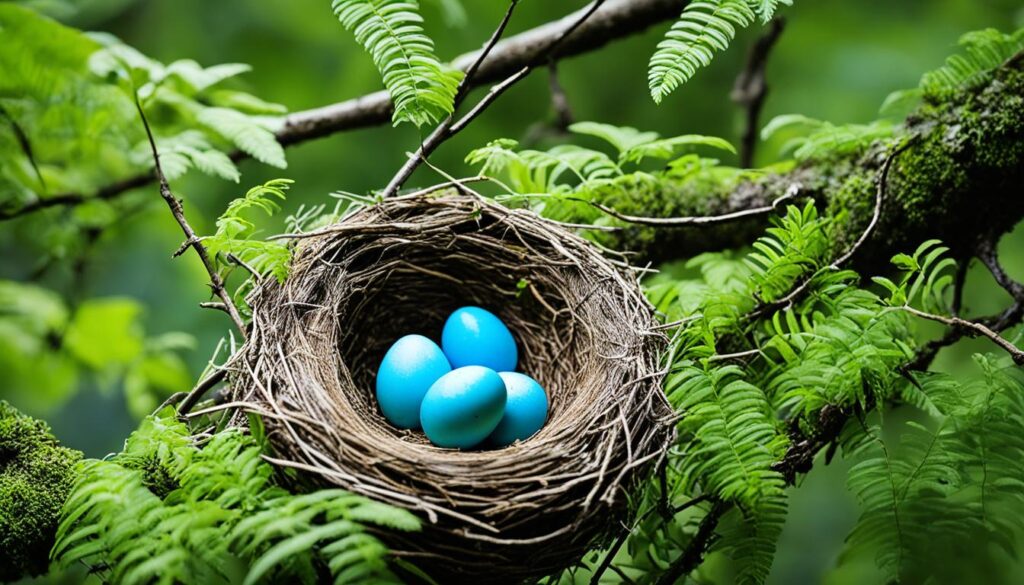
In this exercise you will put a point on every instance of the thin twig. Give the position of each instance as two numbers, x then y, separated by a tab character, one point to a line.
700	220
740	355
450	127
216	282
972	328
876	215
442	132
750	89
559	100
985	252
204	385
606	563
693	554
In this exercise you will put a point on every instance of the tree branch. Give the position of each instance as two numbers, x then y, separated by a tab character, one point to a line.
191	239
615	19
693	554
750	89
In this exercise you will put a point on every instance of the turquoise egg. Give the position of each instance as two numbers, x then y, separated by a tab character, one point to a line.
463	407
475	337
407	371
526	410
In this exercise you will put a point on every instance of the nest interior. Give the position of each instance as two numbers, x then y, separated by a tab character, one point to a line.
584	330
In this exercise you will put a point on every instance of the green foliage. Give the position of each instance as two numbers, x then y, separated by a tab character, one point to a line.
926	278
36	475
702	29
561	181
212	514
46	348
983	51
937	504
183	94
235	231
422	89
64	129
810	139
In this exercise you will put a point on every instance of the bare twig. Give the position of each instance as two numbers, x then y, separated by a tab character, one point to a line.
693	554
750	89
559	100
739	355
876	215
204	385
972	328
450	127
216	282
700	220
606	563
443	130
1012	315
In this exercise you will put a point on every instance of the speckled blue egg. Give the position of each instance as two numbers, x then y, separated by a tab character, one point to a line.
526	410
463	407
407	371
475	337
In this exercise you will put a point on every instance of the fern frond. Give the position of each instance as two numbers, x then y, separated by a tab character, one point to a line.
750	536
817	140
731	437
702	29
246	133
422	90
234	231
983	51
622	138
224	521
766	9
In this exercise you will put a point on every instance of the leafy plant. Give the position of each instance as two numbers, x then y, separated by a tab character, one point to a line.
422	89
235	231
702	29
213	514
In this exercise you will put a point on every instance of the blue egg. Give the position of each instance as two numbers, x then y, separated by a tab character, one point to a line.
475	337
526	410
463	407
407	371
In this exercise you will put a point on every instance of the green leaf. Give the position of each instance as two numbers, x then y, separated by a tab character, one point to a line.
105	333
249	135
701	30
422	90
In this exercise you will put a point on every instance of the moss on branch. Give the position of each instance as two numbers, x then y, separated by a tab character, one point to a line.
958	180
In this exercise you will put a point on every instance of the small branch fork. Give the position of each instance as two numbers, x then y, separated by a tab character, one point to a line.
450	127
191	239
750	89
990	326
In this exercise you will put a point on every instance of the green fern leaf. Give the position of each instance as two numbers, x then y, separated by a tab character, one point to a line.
246	133
422	90
702	29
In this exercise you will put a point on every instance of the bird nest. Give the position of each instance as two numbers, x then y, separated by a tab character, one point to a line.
585	332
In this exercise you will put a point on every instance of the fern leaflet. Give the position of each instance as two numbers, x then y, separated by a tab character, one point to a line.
422	89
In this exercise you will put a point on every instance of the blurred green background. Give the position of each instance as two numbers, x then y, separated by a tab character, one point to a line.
835	61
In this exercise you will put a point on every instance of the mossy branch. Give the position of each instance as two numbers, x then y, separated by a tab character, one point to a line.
959	180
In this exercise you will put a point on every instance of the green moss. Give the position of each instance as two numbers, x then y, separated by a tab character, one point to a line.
851	207
36	475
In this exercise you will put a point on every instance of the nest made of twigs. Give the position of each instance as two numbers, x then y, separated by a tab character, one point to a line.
585	332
